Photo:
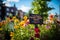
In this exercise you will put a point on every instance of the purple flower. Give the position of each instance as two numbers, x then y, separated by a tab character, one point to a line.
47	27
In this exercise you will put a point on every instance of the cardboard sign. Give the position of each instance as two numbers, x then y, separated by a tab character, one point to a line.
35	19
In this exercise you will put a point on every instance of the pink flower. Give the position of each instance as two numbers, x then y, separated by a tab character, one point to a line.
27	22
47	27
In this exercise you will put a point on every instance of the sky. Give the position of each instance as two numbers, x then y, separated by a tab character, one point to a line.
55	4
25	5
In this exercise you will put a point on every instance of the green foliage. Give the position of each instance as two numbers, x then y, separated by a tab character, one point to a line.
24	33
41	7
9	27
28	32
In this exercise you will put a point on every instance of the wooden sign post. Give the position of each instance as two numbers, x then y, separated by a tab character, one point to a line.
36	19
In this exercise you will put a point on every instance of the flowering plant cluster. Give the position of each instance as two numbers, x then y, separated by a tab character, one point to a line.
22	30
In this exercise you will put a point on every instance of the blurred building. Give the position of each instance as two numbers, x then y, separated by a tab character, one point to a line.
6	11
11	10
20	14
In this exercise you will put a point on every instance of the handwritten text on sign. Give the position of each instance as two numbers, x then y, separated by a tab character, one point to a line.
35	19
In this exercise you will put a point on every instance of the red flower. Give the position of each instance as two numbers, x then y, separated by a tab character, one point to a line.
51	16
32	38
37	30
37	35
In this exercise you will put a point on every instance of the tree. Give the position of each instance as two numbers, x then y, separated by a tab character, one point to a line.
41	7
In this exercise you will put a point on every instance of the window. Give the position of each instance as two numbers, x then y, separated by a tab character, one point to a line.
7	9
11	10
7	14
0	13
0	7
16	12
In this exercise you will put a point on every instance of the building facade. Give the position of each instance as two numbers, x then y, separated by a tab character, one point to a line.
20	14
11	10
7	11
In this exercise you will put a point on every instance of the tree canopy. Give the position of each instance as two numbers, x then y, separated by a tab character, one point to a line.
41	7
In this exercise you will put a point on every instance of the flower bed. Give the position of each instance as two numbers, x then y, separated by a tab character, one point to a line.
22	30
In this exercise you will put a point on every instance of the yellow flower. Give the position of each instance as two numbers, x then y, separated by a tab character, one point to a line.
14	18
16	21
25	18
11	34
16	27
1	29
22	23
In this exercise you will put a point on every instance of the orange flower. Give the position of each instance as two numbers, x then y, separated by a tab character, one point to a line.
8	19
0	24
4	22
51	19
51	16
11	34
